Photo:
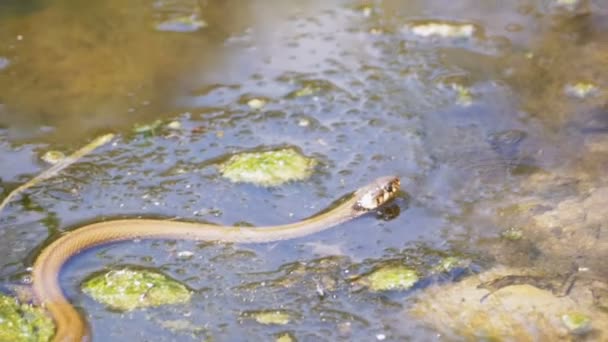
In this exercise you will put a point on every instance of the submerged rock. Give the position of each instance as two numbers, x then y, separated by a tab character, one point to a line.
575	224
129	289
315	278
23	322
269	168
517	311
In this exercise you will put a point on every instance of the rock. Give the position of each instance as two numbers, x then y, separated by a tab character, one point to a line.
519	312
575	224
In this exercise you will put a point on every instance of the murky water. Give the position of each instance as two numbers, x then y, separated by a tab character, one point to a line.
489	131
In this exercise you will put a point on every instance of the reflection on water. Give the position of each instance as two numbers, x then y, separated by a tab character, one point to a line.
493	114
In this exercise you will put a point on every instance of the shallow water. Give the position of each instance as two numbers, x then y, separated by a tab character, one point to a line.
472	125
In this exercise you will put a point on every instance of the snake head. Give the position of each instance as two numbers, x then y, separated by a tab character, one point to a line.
377	193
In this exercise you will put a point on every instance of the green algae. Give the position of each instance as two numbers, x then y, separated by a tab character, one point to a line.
285	337
465	98
23	322
393	277
147	129
449	263
128	289
312	87
270	168
577	323
512	234
269	317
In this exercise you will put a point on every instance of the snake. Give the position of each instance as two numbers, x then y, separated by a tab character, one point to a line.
70	325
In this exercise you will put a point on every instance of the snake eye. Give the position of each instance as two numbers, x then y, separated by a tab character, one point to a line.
390	187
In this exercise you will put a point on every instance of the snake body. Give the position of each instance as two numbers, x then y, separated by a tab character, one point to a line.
71	326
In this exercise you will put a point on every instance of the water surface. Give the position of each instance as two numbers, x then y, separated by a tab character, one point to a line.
473	125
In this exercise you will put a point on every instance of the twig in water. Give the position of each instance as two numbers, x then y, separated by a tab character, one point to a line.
55	169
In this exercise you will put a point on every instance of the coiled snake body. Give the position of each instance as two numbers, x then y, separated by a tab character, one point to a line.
71	326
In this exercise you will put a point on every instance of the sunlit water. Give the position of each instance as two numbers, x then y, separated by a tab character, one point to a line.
473	125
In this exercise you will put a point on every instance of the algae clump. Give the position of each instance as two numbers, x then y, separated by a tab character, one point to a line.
23	322
397	277
129	289
269	168
269	317
577	323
